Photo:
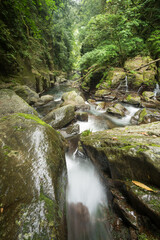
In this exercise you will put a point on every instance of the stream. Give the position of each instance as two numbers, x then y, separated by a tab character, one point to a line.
86	194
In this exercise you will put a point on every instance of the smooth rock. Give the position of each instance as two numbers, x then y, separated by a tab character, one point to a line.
11	103
32	179
60	117
72	98
26	93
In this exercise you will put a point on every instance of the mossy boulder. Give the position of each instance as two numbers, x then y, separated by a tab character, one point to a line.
60	117
145	116
32	179
147	96
102	92
26	93
131	152
116	76
72	98
133	99
11	103
118	110
145	75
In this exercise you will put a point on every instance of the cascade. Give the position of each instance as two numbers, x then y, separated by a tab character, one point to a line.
123	85
156	90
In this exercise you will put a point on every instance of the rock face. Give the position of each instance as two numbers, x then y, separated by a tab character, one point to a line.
11	103
145	116
126	154
130	152
26	93
60	117
32	180
144	75
72	98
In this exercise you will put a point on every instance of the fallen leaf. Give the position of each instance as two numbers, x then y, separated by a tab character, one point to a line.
144	133
1	210
141	185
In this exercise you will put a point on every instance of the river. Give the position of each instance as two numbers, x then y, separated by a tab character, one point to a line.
86	195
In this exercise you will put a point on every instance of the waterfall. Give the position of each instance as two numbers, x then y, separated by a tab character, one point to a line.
124	85
156	90
86	201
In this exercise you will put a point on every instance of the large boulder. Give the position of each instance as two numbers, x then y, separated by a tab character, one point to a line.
32	179
11	103
145	75
72	98
26	93
145	116
60	117
131	152
44	100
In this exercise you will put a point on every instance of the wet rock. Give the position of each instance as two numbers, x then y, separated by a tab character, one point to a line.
79	221
132	99
26	93
82	116
151	104
11	103
145	116
70	131
60	117
72	98
117	110
131	152
32	179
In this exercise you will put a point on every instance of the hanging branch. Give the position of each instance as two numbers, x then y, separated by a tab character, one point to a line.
136	69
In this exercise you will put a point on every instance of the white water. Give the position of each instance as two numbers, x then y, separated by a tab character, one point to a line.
86	201
126	119
84	184
156	90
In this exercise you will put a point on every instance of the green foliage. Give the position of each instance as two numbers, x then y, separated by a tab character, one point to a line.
154	43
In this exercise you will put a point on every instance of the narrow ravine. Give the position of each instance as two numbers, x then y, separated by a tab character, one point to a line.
86	195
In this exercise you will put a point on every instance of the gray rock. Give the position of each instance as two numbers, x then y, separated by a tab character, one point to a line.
11	103
145	116
131	152
31	179
26	93
60	117
72	98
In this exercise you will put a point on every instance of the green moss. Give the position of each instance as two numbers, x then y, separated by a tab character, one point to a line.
86	133
33	117
142	115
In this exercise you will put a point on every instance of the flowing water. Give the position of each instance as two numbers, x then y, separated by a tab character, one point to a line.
86	195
